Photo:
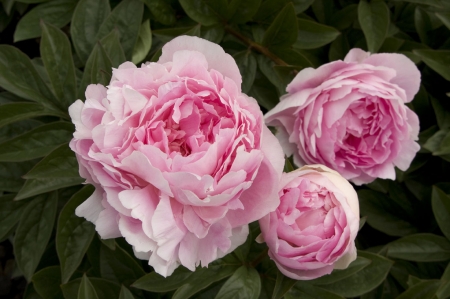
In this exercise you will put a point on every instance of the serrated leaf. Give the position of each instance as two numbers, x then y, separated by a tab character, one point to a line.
56	53
86	21
374	20
312	35
36	143
420	248
73	235
364	280
421	290
244	283
56	12
34	231
438	60
12	112
162	11
105	289
246	62
126	17
143	44
47	281
205	12
19	76
440	202
10	212
86	290
283	30
154	282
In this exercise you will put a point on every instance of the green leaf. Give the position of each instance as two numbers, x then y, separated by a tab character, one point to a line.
98	69
117	265
11	175
354	267
86	21
143	44
445	18
56	12
423	24
154	282
435	3
38	186
282	285
19	76
205	12
244	283
374	20
12	112
56	53
264	92
339	48
283	30
34	231
202	278
442	112
125	293
420	248
73	234
381	214
86	290
345	17
113	48
364	280
105	289
246	62
47	281
161	11
306	291
441	208
244	10
10	211
30	292
36	143
312	35
421	290
301	5
126	17
438	60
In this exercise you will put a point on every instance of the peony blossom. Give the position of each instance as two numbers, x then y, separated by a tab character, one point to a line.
180	158
313	230
351	116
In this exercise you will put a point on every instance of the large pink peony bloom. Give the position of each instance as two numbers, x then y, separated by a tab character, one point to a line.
313	230
351	116
181	160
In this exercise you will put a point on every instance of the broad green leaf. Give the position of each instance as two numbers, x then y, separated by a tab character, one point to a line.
105	289
345	17
202	278
36	143
306	291
293	57
442	112
438	60
423	24
286	73
161	11
12	112
246	62
205	12
30	292
421	290
354	267
125	293
420	248
56	12
301	5
244	10
269	10
47	281
212	33
60	163
444	289
73	234
117	265
313	35
143	44
38	186
324	10
265	65
435	3
113	48
56	53
10	211
110	243
11	175
86	290
34	231
445	18
7	6
381	214
244	283
441	210
32	1
283	30
86	21
364	280
19	76
264	92
126	17
374	20
283	284
339	48
98	69
434	143
154	282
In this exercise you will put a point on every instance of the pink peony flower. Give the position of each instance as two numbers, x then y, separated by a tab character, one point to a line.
351	116
181	160
313	230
